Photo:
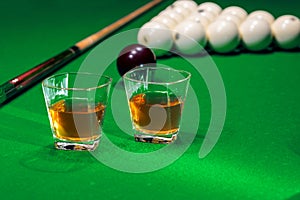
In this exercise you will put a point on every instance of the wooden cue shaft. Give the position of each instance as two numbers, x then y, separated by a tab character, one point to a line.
15	86
89	41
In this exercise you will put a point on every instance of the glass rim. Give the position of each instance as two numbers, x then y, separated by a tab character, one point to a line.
156	68
44	84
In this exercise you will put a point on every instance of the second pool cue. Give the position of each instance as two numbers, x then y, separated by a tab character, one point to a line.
15	86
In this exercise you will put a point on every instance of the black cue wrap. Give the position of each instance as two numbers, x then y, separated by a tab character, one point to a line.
36	74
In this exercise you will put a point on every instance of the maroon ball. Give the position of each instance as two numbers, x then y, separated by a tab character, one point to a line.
135	55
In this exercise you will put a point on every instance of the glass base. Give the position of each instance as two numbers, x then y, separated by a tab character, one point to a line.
157	139
76	146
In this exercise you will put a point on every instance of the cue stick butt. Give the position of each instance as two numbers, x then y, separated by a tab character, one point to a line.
20	83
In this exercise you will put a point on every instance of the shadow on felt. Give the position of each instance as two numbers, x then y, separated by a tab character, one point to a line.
295	197
48	159
294	145
238	51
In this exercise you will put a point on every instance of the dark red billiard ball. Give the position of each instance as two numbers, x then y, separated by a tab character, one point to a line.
135	55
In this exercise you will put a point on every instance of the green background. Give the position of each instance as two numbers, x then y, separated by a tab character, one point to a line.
256	157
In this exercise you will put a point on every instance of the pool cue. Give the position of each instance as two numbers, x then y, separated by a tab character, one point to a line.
20	83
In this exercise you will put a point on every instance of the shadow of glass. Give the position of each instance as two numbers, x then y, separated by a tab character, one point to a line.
51	160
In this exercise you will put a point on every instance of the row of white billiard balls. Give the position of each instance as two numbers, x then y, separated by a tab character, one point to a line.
189	27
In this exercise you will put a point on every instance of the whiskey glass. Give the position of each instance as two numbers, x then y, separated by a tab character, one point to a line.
156	97
76	104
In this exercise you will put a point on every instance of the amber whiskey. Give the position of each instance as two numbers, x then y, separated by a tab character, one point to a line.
76	120
156	113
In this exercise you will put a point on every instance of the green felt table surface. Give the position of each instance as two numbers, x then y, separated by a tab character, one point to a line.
256	157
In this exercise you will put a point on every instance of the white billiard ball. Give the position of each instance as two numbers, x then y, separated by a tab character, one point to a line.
156	36
286	30
209	15
210	7
181	10
235	10
256	34
169	22
223	36
199	18
191	5
189	37
262	14
230	17
172	14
